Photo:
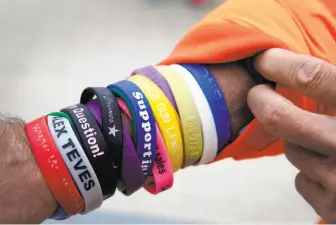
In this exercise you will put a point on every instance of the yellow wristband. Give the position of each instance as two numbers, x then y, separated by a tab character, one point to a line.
166	117
190	119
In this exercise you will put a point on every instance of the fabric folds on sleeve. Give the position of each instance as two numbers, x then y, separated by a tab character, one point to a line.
241	28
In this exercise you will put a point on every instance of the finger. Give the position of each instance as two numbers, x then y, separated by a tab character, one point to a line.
283	119
311	164
311	76
311	191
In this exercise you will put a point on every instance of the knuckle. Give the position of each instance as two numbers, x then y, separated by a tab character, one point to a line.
310	74
272	117
329	183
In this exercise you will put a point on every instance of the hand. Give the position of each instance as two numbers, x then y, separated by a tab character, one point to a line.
310	138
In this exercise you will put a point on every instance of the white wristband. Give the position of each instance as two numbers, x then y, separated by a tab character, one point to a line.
77	162
208	123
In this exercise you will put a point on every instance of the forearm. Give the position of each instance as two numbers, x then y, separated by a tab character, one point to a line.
26	197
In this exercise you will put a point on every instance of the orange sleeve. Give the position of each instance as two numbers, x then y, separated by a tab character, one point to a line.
331	6
240	28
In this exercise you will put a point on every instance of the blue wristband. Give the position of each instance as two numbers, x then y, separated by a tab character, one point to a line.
60	214
242	130
143	122
216	101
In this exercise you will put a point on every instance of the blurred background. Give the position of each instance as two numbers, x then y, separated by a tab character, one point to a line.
51	50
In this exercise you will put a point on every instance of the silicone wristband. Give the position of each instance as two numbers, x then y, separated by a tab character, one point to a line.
190	120
77	162
154	75
52	166
111	121
95	147
204	110
166	117
64	115
143	122
216	100
60	214
163	175
94	107
61	114
259	79
131	172
242	130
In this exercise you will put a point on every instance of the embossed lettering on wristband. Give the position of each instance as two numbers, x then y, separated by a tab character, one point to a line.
190	119
204	110
166	118
53	167
77	162
216	100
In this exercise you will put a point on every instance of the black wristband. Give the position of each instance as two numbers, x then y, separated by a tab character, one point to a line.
95	147
111	121
259	79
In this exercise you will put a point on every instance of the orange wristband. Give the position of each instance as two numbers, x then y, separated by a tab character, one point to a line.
53	167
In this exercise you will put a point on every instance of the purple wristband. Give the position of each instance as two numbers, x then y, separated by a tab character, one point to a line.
154	75
131	171
143	120
94	107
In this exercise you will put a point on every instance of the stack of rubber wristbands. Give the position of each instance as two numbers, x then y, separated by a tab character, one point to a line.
179	117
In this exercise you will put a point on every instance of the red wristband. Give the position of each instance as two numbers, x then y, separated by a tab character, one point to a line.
53	167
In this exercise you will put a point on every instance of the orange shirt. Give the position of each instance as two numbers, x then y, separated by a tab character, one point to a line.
239	28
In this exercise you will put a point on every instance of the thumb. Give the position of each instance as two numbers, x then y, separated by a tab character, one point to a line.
309	75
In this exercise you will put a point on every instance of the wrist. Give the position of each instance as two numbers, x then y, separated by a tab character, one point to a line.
33	203
235	82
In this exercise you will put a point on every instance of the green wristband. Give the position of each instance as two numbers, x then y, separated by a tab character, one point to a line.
60	114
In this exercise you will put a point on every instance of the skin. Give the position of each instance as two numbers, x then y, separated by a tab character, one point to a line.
310	138
25	196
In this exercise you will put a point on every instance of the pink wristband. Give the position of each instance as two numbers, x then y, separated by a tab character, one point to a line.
163	175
